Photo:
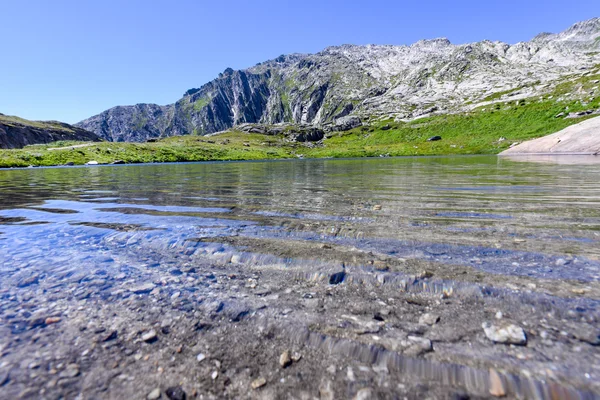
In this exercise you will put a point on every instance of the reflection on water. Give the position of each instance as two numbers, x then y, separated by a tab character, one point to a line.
109	232
505	217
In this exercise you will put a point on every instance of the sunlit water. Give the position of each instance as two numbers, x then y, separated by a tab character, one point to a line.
84	229
505	217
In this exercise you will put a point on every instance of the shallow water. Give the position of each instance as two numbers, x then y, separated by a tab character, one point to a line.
501	216
510	234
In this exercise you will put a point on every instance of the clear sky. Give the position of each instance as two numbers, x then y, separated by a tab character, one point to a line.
70	59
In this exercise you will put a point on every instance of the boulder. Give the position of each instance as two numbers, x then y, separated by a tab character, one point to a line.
346	123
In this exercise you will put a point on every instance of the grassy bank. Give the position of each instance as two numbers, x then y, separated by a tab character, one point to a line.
487	130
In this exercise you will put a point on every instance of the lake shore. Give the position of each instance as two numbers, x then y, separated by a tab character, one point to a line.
487	130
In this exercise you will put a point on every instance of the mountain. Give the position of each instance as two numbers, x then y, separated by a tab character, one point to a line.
365	82
17	132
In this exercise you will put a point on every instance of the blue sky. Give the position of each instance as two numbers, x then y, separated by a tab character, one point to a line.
70	59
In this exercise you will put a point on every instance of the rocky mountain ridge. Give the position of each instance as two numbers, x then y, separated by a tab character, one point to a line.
16	132
364	82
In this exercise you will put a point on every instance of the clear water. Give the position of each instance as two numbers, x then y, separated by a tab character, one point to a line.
499	215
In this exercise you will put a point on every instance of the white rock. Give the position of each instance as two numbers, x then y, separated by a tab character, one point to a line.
506	334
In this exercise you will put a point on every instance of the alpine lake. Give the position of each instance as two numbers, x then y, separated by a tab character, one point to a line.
425	277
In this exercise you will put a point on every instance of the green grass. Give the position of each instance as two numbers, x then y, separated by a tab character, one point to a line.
14	121
476	132
200	104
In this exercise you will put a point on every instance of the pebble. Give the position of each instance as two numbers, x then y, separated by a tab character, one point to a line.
496	386
71	371
140	289
337	278
258	383
506	334
364	394
176	393
4	378
149	336
377	207
296	356
154	395
418	345
52	320
285	360
111	336
429	319
214	375
200	357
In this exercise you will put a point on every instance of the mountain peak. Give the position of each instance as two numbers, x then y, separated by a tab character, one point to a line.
362	82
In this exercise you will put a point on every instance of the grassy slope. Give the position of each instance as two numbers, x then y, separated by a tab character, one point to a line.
477	132
15	121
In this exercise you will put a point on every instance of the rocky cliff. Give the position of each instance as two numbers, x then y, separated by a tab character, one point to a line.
374	81
17	132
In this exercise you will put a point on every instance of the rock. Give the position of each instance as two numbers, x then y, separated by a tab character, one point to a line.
377	207
141	289
337	278
52	320
118	162
364	394
154	394
496	385
32	280
285	360
71	371
92	163
200	357
150	336
296	356
258	383
588	334
4	378
434	138
429	319
346	123
176	393
417	345
112	335
505	334
214	375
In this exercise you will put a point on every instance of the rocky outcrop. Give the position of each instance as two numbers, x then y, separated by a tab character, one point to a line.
16	132
583	138
352	83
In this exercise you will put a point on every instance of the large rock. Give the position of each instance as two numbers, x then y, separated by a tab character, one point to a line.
346	123
505	333
581	138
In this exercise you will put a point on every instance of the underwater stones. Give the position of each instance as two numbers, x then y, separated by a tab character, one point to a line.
143	288
285	360
429	319
496	385
150	336
417	345
258	383
337	278
505	334
176	393
154	394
